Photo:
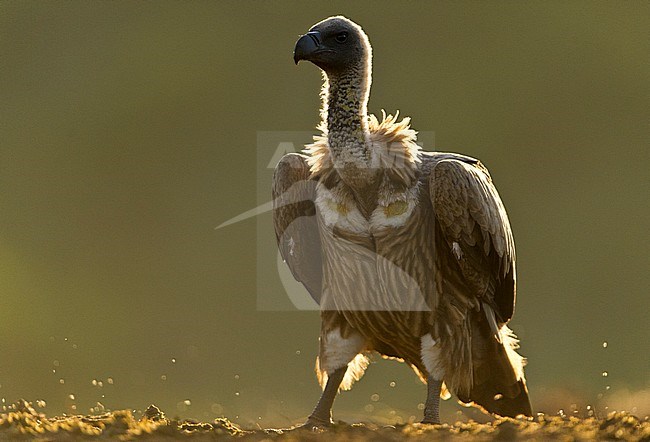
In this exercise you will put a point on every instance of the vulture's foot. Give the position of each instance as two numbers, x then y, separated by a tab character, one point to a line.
321	417
316	424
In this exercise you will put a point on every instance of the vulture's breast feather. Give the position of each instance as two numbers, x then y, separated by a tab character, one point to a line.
371	264
339	211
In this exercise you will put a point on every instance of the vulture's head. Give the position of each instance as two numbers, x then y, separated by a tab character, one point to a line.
335	45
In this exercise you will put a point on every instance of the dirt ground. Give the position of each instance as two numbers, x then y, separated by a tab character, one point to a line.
23	422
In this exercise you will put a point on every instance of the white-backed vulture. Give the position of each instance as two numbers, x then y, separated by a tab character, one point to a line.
409	253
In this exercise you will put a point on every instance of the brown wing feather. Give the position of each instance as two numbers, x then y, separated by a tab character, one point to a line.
478	271
470	213
294	219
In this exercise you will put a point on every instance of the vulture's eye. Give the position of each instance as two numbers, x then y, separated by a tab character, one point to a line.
341	37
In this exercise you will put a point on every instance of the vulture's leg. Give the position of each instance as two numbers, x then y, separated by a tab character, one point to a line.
337	353
322	414
432	357
432	405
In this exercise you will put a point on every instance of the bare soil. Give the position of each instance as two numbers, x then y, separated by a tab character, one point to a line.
23	422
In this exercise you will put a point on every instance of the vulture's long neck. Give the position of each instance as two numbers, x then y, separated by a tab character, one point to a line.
344	111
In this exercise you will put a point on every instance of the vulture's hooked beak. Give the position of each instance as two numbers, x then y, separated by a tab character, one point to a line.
306	46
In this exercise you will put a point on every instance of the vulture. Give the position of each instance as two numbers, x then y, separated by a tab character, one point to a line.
408	253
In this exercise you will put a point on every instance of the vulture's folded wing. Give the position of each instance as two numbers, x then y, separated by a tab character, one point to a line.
475	228
294	219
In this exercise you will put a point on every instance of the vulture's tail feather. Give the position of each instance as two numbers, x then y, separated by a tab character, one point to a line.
499	385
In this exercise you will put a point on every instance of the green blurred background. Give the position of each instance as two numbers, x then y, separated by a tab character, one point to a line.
128	131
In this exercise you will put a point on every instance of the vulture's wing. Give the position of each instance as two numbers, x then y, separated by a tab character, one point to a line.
294	219
475	227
